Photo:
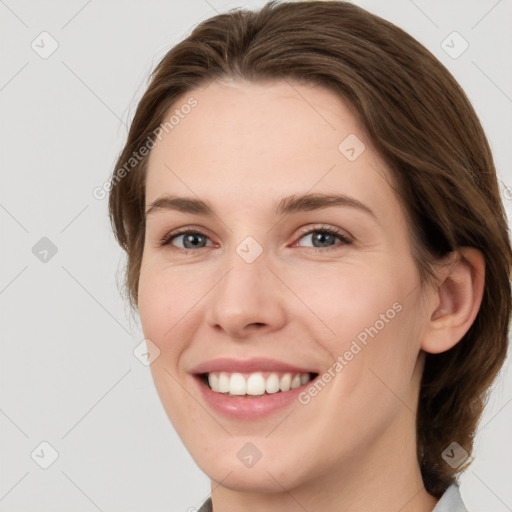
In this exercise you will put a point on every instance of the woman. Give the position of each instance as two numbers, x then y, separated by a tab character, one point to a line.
320	259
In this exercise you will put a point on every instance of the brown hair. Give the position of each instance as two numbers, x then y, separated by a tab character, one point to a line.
425	129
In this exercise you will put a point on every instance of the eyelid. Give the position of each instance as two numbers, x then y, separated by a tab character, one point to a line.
166	239
325	227
345	238
306	230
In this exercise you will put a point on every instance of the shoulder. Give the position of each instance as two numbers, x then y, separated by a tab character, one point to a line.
451	501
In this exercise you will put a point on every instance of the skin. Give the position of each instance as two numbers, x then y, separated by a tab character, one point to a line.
353	446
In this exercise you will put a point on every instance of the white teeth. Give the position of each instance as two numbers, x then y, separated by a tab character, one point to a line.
272	384
255	384
237	384
213	380
223	383
286	382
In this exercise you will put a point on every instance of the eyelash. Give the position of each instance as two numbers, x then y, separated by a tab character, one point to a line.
166	240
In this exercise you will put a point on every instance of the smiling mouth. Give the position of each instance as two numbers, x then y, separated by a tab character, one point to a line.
256	384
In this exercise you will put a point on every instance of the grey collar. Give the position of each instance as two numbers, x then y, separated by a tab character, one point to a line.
451	501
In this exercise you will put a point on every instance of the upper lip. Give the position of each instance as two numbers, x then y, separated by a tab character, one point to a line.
230	365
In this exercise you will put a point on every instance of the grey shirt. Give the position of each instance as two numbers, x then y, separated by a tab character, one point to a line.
450	501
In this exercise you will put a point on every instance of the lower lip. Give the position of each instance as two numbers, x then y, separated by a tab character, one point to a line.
247	407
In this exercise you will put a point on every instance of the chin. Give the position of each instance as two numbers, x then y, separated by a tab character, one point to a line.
239	465
262	478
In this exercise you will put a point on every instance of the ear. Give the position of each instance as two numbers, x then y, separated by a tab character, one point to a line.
456	300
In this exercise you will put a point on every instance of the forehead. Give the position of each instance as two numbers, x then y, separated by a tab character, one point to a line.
241	121
244	140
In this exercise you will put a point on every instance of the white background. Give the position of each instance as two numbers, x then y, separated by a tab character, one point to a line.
67	374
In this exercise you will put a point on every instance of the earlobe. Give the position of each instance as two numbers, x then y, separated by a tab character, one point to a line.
458	299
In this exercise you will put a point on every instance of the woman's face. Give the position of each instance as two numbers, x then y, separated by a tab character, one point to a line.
259	292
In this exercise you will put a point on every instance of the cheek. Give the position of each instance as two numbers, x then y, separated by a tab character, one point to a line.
366	319
346	301
165	297
152	304
160	310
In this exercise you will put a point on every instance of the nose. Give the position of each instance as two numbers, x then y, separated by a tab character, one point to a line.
247	300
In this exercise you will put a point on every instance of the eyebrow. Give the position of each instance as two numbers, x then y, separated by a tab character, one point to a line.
286	205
